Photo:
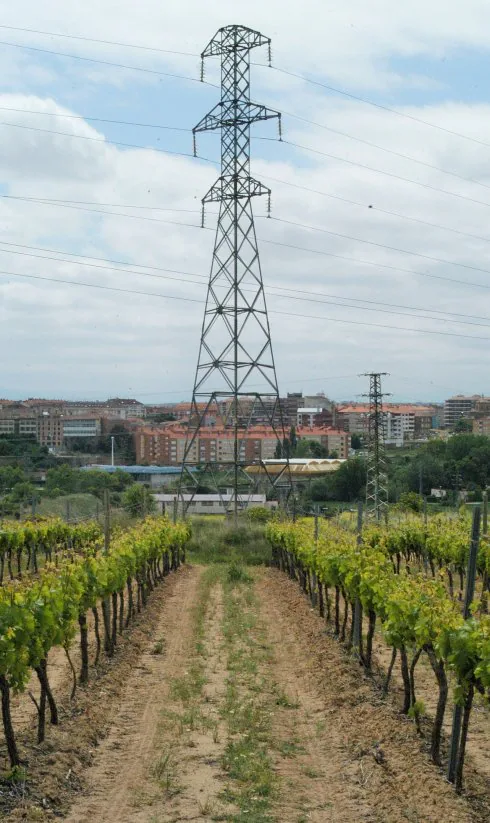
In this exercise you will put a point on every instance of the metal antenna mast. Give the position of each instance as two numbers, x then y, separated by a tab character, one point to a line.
235	387
377	478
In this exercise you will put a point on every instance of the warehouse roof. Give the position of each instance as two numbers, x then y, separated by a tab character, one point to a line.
134	469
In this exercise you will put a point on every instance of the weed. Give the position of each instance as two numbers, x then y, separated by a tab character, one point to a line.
283	700
312	773
217	542
205	806
159	646
320	727
161	766
289	748
17	776
246	709
237	574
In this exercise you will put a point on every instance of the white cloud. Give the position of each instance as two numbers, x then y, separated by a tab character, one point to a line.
352	42
63	339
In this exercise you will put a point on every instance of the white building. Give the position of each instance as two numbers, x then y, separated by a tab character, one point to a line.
207	503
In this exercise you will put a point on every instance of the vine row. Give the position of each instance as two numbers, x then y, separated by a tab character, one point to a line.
45	610
347	578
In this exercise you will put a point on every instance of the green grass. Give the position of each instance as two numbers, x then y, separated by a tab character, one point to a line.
247	707
81	506
217	541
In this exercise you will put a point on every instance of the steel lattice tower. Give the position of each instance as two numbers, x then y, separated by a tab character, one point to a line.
235	385
377	478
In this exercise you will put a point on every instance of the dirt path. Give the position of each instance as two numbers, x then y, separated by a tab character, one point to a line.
125	755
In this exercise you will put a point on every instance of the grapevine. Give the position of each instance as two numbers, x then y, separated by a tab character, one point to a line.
39	612
416	612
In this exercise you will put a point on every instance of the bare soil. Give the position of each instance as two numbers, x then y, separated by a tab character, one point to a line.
125	757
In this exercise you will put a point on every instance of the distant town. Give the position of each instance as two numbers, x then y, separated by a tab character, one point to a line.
155	435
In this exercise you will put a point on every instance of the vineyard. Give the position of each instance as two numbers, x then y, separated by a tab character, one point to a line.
402	577
229	692
41	608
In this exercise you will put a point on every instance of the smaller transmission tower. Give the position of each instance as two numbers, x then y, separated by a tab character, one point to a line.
377	478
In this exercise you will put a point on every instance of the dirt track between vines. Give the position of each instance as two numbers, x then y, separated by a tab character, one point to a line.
337	752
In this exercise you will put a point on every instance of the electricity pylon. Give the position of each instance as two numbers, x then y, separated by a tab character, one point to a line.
377	478
235	386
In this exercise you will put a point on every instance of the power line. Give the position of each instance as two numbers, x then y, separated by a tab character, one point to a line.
287	142
103	140
95	119
370	206
298	294
154	72
290	245
377	265
272	311
377	209
390	174
388	151
108	142
94	40
283	182
312	295
63	205
288	114
279	69
367	102
268	177
379	245
62	202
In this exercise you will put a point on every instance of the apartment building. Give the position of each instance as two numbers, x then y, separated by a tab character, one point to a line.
401	421
353	418
481	425
50	430
314	417
116	408
81	427
166	445
462	407
334	440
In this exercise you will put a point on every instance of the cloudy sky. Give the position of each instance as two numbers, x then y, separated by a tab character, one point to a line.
386	202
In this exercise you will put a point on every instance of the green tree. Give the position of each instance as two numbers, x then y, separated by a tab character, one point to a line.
317	450
349	480
303	448
9	476
138	500
321	490
63	478
411	501
162	418
24	493
356	442
463	425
